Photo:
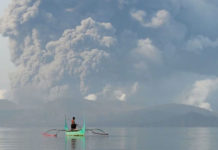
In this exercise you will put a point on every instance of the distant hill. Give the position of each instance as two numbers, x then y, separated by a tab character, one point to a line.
113	114
177	115
8	112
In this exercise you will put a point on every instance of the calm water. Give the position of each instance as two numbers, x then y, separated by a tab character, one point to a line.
119	139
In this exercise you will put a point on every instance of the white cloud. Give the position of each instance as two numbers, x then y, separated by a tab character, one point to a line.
2	94
146	49
123	2
134	88
120	95
69	9
200	43
138	15
91	97
200	92
161	17
158	20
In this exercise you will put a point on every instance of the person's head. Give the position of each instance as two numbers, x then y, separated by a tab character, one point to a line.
73	118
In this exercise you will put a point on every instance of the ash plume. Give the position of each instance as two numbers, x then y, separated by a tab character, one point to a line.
122	50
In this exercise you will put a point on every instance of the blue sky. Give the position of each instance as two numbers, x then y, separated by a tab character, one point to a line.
6	65
136	52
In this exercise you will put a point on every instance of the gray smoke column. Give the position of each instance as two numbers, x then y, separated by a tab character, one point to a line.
102	50
53	57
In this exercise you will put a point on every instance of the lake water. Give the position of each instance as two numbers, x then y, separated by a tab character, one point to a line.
119	139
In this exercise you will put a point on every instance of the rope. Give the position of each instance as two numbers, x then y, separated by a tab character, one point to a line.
97	131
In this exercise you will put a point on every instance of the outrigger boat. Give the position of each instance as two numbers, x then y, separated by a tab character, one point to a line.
79	132
70	133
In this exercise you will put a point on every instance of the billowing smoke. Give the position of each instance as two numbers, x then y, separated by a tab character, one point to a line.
53	49
108	49
52	68
198	96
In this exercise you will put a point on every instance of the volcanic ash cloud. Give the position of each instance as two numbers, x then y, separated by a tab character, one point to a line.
54	71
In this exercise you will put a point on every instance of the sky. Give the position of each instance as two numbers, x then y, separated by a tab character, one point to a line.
6	66
130	51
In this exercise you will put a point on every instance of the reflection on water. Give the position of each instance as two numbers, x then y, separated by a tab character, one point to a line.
123	133
119	139
200	138
75	142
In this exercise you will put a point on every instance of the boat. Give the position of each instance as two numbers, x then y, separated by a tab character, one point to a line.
74	133
78	132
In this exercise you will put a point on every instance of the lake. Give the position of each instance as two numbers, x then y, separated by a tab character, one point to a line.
119	139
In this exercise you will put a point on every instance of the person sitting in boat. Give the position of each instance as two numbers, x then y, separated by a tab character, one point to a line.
73	124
